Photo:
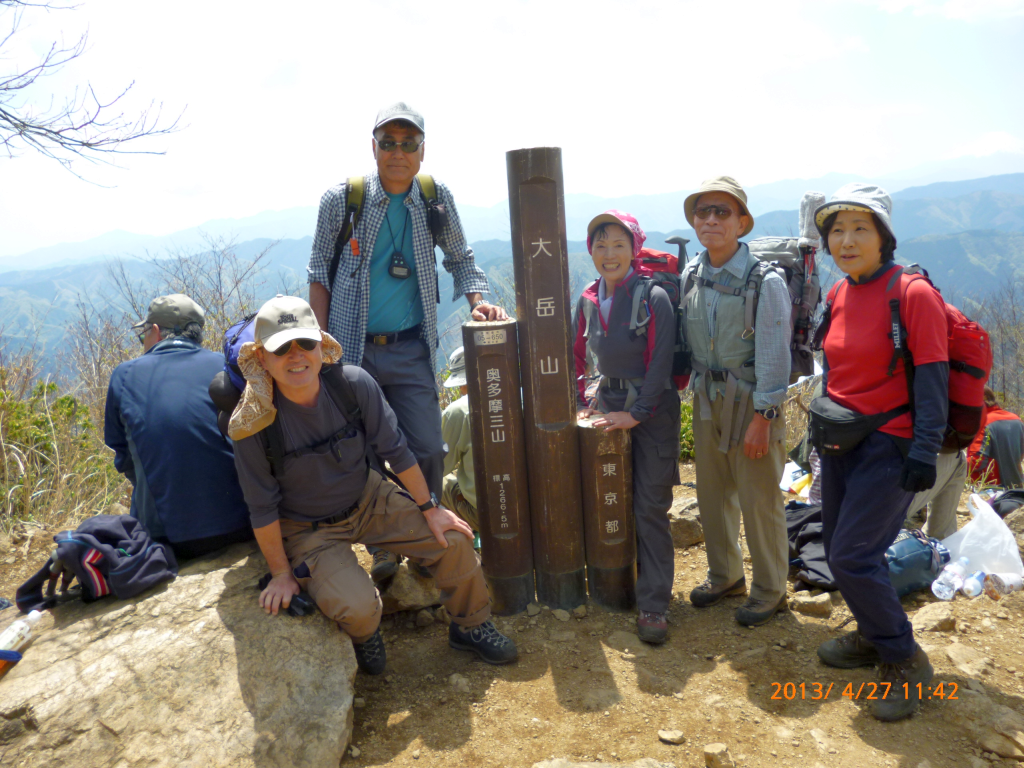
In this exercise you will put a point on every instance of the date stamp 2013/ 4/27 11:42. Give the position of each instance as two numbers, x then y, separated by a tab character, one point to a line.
868	691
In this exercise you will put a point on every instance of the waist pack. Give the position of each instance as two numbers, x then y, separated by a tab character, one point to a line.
835	429
108	555
914	561
970	356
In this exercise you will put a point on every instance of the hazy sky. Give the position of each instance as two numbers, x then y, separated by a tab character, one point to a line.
643	97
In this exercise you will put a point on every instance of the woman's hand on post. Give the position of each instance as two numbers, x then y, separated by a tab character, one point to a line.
755	444
616	420
584	413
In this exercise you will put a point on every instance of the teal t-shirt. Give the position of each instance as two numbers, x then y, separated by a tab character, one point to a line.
394	303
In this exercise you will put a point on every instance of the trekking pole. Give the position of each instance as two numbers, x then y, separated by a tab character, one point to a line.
681	242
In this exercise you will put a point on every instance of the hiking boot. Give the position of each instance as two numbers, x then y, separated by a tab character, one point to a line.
904	696
652	627
754	612
708	594
849	652
371	655
485	641
421	570
385	565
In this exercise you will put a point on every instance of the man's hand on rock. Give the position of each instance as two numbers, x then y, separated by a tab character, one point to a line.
279	592
440	520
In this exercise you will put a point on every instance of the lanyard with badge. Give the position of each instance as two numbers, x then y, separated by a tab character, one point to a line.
399	268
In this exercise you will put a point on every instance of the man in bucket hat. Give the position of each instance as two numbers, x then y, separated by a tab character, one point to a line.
162	427
741	365
382	305
323	497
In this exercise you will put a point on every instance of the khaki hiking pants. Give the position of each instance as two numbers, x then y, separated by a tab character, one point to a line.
730	484
325	565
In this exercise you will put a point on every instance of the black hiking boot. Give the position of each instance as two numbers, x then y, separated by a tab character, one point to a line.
849	652
754	612
371	655
903	695
707	594
485	641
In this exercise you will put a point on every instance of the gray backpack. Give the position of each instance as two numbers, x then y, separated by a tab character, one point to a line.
798	264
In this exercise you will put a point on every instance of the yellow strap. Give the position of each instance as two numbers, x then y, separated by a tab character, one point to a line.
427	186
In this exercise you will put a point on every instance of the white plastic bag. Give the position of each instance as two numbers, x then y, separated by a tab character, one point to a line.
986	541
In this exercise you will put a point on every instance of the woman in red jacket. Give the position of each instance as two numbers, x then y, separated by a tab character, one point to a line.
870	474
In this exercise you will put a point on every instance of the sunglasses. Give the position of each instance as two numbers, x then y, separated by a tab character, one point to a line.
720	211
388	145
142	334
305	344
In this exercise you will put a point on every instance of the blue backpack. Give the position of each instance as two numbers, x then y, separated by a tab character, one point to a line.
914	561
234	337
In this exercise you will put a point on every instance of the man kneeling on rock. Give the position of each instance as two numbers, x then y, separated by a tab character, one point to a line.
301	433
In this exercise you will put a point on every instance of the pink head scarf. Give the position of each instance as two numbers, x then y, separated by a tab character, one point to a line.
625	220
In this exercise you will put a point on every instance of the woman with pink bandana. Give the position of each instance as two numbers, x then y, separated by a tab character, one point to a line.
636	393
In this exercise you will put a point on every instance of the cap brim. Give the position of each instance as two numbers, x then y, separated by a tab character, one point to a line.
835	206
690	205
457	379
278	340
605	218
139	325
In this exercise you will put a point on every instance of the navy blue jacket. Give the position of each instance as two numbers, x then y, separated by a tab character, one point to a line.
162	427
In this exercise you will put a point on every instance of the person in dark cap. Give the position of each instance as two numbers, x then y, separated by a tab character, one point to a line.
377	291
162	427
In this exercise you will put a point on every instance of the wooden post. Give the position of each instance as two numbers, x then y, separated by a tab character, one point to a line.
606	466
540	260
499	461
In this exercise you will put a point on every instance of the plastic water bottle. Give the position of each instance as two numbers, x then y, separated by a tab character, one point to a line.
951	579
16	635
974	583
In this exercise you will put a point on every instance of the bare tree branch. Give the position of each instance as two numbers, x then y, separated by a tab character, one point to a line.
82	125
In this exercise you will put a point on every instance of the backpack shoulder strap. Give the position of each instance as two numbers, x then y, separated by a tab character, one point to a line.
343	393
428	191
641	295
355	194
272	438
588	316
751	295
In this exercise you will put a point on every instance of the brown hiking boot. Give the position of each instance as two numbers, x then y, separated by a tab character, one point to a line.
708	594
849	652
385	565
652	627
754	612
903	695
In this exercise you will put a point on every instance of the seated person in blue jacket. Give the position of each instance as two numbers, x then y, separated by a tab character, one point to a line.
162	426
317	494
636	393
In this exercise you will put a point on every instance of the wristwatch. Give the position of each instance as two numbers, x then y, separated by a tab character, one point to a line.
428	504
476	304
769	413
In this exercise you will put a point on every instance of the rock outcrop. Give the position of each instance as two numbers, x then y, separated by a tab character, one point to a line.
684	521
190	674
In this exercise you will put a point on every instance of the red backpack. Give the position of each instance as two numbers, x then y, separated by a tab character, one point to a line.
666	272
970	357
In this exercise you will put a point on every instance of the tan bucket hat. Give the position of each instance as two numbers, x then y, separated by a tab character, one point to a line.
726	184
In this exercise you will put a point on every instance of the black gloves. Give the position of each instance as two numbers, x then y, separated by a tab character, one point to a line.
917	476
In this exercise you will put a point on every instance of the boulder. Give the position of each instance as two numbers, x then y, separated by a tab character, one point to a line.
934	617
190	674
819	605
409	591
684	520
1015	520
672	737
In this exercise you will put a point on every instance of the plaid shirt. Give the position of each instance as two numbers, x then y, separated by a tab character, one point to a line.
350	299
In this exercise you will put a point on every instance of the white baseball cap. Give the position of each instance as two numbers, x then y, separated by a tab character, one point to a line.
283	319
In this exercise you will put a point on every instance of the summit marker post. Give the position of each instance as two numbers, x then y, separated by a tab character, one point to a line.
541	263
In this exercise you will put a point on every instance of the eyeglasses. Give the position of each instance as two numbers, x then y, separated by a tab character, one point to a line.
142	335
408	146
306	344
720	211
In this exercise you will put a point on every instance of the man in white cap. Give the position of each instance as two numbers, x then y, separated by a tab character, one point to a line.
162	427
373	282
300	448
738	331
459	479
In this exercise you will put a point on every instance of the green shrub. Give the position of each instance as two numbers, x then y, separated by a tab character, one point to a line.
686	431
